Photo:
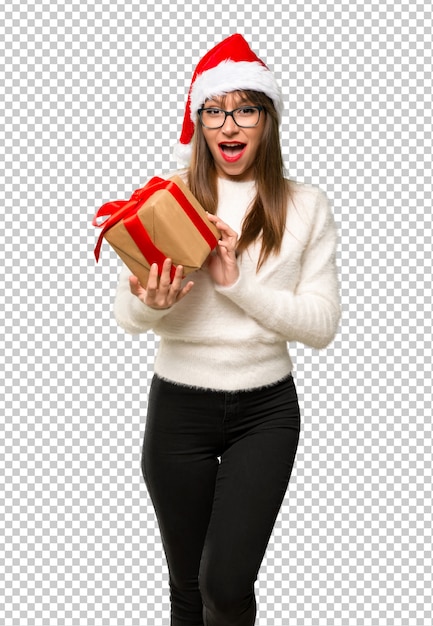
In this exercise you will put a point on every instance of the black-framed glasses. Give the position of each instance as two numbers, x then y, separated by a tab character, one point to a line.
247	116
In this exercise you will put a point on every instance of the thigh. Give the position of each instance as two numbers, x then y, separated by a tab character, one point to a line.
179	467
251	484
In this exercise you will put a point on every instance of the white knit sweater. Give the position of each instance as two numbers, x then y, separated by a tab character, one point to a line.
232	338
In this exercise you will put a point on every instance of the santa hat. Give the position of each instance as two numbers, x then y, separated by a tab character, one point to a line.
230	66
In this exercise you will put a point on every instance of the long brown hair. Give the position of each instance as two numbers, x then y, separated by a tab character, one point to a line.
266	217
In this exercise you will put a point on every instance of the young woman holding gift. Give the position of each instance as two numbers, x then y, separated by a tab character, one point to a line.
223	417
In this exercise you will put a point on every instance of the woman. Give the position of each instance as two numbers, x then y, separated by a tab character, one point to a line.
223	417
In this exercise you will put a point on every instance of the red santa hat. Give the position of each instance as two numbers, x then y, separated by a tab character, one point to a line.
230	66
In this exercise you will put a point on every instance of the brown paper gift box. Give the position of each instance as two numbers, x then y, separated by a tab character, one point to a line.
162	219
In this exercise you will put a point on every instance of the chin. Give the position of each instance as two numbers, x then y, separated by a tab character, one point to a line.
236	173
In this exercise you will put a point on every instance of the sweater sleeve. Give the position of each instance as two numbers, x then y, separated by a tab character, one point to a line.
309	313
130	313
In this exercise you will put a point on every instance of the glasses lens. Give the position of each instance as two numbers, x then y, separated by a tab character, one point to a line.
212	118
246	117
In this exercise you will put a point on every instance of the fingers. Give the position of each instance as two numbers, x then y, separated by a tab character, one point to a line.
153	280
222	226
229	237
161	292
185	290
134	285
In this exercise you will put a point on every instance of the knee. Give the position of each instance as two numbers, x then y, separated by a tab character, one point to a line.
224	601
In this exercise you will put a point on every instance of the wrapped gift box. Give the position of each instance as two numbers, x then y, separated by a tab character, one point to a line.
162	219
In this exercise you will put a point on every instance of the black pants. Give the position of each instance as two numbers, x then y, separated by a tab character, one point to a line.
217	466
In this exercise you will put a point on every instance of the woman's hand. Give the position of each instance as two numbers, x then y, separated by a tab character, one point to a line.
160	293
222	263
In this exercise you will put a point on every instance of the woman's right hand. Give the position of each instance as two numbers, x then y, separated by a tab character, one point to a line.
160	293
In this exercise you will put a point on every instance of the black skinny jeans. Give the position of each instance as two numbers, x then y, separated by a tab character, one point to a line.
217	466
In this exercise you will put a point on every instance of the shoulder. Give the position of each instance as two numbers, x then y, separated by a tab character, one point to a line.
183	174
311	206
310	196
167	175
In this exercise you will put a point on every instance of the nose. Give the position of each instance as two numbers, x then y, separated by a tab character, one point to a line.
229	127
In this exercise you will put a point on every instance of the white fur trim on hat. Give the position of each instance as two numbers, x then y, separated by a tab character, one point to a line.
233	76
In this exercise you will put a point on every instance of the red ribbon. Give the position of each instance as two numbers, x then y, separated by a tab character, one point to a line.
141	237
126	210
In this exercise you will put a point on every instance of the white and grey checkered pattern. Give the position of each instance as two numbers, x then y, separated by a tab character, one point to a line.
92	96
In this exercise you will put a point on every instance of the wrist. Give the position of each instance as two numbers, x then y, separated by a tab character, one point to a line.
228	282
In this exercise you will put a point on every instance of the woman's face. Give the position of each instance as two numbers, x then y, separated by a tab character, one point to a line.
234	149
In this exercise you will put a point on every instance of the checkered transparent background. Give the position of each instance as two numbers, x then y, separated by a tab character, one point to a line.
92	96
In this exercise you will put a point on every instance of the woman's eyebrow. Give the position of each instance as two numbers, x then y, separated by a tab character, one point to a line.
214	101
219	103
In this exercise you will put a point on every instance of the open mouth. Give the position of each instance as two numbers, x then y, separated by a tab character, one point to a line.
232	151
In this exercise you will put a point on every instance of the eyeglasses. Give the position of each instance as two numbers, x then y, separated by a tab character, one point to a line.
244	117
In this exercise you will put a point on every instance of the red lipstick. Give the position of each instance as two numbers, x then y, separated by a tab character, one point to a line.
232	151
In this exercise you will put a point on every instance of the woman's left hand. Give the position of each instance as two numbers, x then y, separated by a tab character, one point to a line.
222	263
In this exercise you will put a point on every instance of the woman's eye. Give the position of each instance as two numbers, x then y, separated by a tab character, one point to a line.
246	111
213	112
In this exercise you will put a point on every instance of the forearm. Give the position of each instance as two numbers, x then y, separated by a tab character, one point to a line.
310	318
130	313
